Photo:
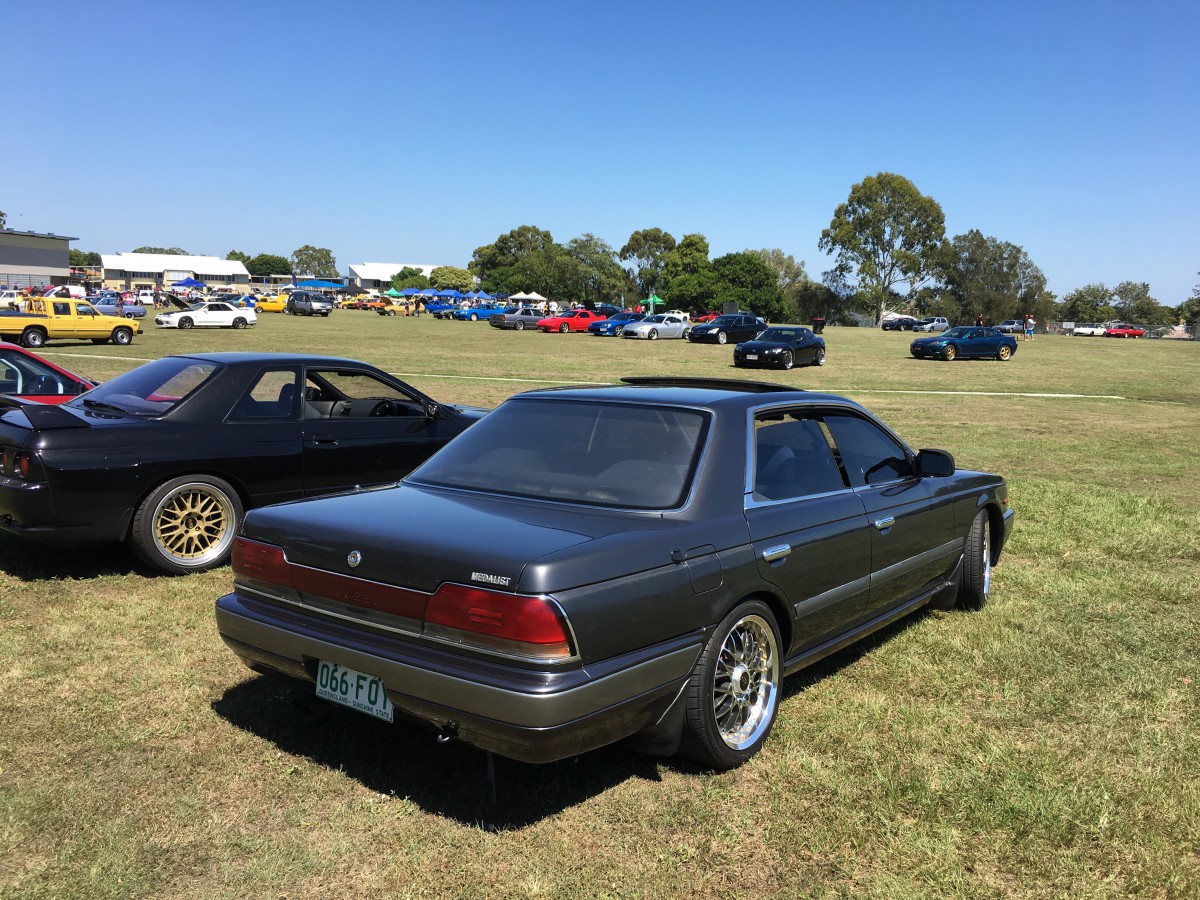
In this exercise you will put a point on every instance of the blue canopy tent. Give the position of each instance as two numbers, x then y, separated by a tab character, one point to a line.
484	295
319	284
408	292
188	283
451	294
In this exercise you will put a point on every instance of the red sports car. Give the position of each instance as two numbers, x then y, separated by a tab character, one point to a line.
29	377
1122	330
571	320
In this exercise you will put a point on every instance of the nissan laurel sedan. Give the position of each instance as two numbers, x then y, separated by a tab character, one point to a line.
965	342
645	560
167	456
724	329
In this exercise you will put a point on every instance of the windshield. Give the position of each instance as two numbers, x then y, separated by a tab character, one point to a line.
658	318
598	454
960	332
150	390
724	320
784	335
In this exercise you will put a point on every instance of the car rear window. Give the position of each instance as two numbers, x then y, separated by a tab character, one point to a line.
153	389
599	454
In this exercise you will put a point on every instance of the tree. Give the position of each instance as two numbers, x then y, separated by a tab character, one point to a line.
887	234
409	277
645	251
745	280
166	251
1189	310
989	277
316	262
268	264
794	285
1091	303
79	258
3	219
687	280
491	263
446	277
238	256
598	276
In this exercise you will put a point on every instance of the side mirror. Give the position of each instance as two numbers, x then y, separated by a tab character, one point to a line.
935	464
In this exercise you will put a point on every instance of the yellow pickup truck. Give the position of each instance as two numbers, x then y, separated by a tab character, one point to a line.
61	318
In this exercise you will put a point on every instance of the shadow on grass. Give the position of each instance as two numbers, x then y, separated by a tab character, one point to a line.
405	760
28	561
451	779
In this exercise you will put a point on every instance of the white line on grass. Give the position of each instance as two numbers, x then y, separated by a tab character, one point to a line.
591	383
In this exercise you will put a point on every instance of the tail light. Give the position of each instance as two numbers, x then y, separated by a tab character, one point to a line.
531	627
520	625
21	464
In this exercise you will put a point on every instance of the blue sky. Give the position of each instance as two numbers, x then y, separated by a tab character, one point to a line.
402	132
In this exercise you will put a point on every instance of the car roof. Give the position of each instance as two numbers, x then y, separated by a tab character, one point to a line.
236	358
710	392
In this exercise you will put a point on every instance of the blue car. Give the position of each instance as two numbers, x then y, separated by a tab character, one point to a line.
965	342
131	309
475	313
611	327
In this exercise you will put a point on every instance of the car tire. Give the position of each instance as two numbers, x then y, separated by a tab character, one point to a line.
519	325
732	696
564	328
122	337
130	316
474	317
976	581
722	337
185	322
819	357
949	353
1004	354
652	334
187	524
239	322
789	360
33	337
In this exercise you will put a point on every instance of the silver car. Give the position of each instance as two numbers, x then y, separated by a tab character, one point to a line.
663	325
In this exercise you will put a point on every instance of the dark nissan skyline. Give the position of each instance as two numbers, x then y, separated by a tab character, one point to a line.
167	457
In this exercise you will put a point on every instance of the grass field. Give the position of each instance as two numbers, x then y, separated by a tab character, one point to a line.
1047	746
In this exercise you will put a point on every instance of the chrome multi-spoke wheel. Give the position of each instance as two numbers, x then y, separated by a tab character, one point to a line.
746	682
733	695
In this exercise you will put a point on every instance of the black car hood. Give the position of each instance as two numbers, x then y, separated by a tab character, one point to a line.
762	346
419	537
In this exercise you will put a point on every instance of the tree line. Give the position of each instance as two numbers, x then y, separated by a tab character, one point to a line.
888	242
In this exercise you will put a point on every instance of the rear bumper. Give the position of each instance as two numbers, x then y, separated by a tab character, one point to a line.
532	715
30	511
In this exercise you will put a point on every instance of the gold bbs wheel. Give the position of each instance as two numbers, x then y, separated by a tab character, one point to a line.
187	524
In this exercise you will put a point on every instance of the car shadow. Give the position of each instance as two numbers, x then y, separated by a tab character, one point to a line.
451	779
405	759
28	561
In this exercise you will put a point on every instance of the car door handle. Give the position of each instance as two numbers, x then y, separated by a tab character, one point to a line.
777	552
325	440
886	523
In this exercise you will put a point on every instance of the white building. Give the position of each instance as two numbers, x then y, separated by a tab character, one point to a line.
130	271
379	275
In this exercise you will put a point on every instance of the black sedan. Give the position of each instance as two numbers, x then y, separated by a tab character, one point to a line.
781	347
644	560
724	329
168	456
965	342
901	323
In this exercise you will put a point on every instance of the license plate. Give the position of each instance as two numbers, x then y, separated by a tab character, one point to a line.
751	356
354	689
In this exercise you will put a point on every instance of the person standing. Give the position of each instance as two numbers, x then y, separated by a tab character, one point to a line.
979	321
1029	323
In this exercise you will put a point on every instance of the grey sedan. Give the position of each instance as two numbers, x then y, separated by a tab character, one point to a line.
640	561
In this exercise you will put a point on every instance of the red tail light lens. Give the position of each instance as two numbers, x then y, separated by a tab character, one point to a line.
532	627
19	463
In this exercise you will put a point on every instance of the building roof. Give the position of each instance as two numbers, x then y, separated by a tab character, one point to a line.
163	262
41	234
385	271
